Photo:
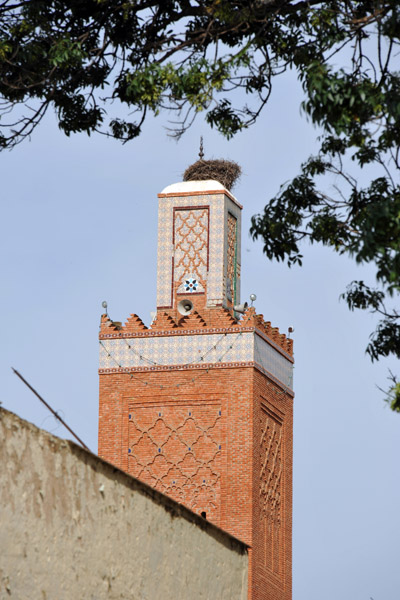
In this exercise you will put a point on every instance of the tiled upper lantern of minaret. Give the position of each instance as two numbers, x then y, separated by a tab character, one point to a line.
196	217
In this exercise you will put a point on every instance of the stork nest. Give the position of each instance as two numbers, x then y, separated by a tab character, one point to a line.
226	172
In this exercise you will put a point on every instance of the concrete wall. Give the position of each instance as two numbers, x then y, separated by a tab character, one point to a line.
73	526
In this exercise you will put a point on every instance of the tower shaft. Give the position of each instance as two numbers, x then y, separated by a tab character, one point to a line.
200	405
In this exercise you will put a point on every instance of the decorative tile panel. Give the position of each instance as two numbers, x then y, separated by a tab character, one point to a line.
273	361
192	350
232	258
190	285
176	350
232	245
192	238
191	245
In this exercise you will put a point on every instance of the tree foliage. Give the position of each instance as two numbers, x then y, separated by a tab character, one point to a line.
93	60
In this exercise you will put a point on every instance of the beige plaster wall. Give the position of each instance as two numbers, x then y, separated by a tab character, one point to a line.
74	527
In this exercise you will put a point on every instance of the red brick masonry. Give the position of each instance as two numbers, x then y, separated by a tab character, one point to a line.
217	438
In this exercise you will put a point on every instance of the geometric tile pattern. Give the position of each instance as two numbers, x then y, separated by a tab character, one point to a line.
191	244
231	262
190	285
176	350
273	361
195	349
177	450
271	487
217	206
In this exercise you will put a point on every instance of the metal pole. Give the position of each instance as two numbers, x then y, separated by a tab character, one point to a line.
50	409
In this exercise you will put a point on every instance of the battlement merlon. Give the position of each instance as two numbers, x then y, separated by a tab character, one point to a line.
193	342
209	320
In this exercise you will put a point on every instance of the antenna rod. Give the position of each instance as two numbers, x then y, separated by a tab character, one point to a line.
49	407
201	153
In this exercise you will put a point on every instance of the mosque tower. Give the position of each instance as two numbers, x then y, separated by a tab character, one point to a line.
200	404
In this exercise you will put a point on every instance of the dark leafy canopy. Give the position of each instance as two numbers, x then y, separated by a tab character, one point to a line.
83	58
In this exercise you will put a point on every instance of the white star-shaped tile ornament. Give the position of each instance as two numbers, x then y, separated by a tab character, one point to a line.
191	284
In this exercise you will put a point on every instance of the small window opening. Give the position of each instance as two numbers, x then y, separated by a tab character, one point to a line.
204	514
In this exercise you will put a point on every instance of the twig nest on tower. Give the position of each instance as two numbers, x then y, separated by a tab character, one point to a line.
226	172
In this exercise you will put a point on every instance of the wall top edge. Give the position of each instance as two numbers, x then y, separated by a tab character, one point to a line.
188	332
174	332
193	186
209	192
13	422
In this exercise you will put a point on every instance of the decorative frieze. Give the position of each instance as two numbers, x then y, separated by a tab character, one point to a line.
195	350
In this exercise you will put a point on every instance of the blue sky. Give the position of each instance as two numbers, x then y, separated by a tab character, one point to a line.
80	226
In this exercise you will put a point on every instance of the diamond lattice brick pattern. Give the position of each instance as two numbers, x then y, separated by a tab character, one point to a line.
177	450
271	462
191	243
231	266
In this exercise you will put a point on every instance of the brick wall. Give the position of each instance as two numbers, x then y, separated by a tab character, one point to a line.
217	439
189	439
272	484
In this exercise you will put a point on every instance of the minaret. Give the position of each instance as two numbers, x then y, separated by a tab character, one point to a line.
200	404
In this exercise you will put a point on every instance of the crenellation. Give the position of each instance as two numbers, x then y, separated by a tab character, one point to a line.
192	321
275	335
134	323
108	326
268	328
163	321
204	320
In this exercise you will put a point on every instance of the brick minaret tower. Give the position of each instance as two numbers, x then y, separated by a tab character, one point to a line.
199	405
